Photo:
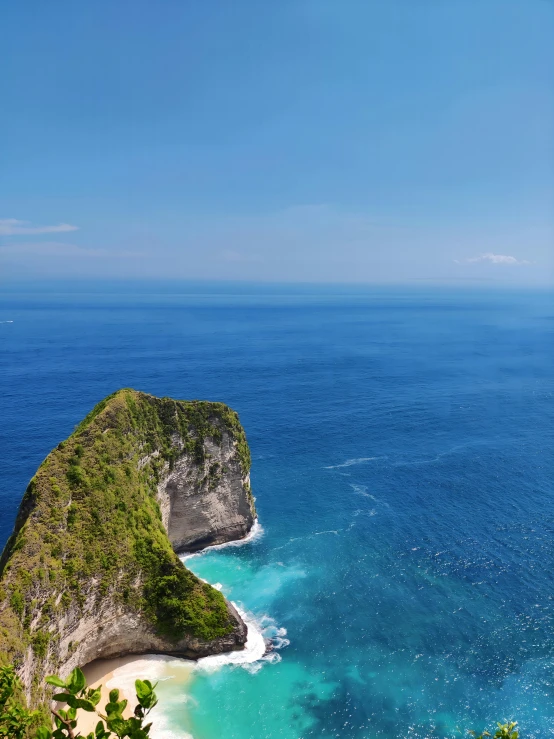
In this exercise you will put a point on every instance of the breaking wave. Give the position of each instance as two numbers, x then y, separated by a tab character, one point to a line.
264	640
351	462
255	533
260	632
254	650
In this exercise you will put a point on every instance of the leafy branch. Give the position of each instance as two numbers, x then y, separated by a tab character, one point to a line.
16	721
508	730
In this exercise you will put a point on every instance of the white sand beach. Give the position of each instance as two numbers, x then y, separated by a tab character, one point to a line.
122	672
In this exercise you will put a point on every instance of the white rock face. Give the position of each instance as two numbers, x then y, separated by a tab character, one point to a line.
105	632
207	504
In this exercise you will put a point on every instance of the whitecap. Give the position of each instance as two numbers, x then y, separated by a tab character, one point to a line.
254	649
350	462
280	643
361	490
162	732
273	658
156	667
253	668
252	658
161	726
150	667
274	634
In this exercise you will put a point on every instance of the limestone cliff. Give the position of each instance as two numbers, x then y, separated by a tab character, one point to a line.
91	570
206	505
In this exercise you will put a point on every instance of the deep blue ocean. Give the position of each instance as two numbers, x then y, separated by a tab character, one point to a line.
402	444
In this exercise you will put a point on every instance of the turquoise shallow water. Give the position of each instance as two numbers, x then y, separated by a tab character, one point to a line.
403	468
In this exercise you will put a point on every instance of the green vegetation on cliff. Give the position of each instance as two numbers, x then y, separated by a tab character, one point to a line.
90	524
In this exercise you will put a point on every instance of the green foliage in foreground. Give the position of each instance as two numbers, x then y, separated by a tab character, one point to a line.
16	722
504	731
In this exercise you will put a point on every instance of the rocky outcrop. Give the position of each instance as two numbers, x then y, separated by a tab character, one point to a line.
102	630
91	570
200	509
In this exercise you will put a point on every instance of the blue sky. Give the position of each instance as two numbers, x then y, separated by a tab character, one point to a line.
305	140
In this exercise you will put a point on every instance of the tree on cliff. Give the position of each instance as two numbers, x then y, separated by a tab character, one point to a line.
17	722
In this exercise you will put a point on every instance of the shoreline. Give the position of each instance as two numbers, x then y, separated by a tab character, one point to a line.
101	673
255	533
121	672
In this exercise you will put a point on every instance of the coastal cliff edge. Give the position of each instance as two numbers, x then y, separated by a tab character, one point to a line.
91	569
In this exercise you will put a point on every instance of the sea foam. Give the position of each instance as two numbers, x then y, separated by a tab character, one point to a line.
351	462
159	668
254	649
255	533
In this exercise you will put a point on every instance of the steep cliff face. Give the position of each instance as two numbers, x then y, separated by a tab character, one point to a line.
91	571
209	506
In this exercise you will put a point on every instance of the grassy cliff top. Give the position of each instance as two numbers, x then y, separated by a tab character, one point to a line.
89	523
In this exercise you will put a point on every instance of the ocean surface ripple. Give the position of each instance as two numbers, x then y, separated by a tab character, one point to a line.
404	474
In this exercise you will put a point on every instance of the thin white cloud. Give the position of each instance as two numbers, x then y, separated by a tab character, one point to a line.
491	258
13	227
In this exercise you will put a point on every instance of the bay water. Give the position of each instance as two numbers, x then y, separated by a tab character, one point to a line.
403	468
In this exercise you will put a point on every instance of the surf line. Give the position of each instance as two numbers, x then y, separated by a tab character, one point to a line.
257	647
161	668
255	533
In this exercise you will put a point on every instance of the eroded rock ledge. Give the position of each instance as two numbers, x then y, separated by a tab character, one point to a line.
91	569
